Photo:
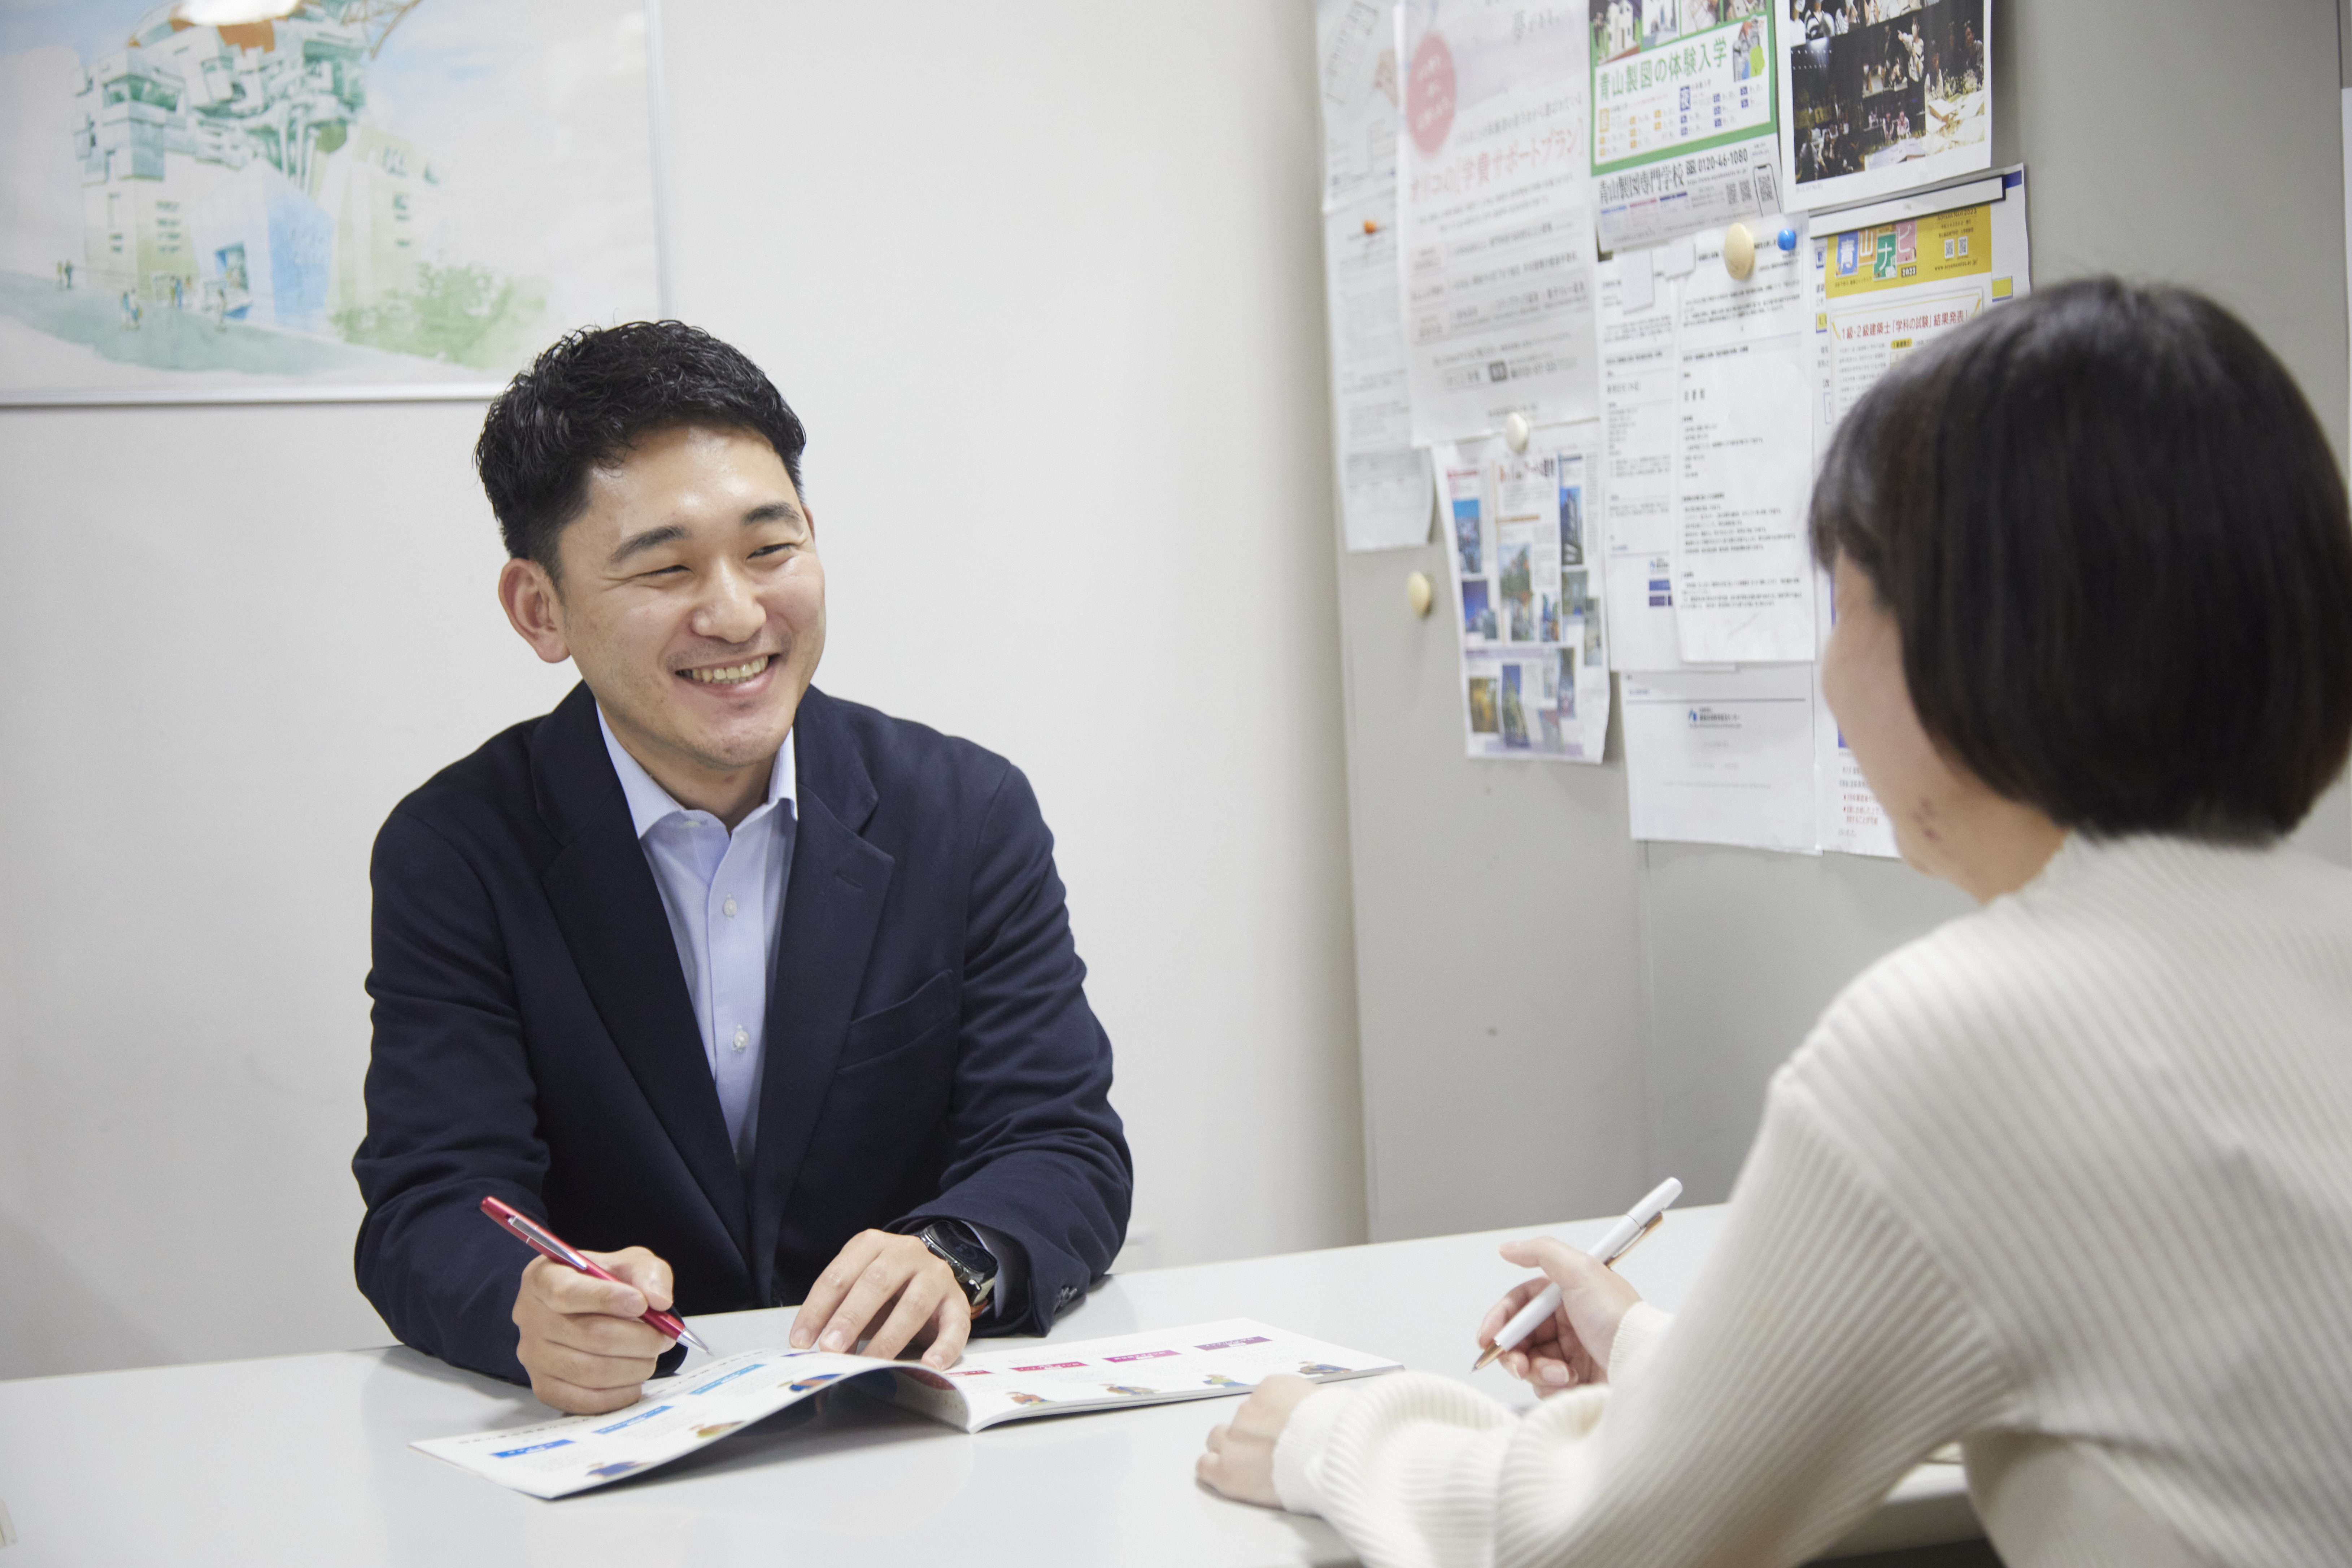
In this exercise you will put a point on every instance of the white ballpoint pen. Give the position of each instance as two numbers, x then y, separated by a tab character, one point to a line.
1640	1221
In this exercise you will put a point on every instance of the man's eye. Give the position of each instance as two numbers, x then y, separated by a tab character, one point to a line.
770	549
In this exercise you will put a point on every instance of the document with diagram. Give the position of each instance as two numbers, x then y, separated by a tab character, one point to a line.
1744	461
1708	453
1355	53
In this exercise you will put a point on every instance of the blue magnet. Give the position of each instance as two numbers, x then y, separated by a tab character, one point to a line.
1787	239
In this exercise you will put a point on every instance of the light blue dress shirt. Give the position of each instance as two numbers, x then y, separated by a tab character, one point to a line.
724	893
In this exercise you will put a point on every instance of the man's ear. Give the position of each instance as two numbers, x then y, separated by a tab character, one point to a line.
535	608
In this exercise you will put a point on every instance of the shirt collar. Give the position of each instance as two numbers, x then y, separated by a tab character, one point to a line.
650	804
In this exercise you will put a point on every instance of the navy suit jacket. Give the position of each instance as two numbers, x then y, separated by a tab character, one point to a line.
929	1051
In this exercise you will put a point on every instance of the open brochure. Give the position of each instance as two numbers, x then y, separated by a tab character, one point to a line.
679	1414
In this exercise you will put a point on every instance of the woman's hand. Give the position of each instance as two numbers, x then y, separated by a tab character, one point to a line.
1571	1347
1240	1461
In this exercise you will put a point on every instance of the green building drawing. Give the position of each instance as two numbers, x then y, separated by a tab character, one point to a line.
227	168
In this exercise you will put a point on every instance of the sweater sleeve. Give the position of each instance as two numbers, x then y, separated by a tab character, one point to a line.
1639	1333
1823	1352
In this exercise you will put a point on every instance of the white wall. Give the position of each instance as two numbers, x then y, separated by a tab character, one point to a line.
1042	279
239	636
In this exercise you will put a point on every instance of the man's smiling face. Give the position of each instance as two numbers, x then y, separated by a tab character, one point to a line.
692	599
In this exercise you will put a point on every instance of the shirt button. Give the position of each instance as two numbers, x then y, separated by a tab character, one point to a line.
742	1039
729	907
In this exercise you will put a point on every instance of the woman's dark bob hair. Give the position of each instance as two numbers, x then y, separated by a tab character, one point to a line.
2115	544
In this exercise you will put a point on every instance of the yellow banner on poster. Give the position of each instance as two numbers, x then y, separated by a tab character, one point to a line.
1954	244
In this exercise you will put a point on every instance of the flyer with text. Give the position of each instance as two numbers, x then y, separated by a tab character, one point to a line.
1686	126
1493	199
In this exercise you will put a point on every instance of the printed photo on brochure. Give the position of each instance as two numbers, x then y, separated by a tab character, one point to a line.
1883	96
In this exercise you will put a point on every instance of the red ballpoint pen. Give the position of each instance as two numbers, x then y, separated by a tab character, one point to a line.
547	1243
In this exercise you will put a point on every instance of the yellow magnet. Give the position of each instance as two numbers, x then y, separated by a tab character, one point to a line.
1419	594
1738	250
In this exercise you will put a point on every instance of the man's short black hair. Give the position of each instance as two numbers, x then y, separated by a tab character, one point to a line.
2116	546
588	397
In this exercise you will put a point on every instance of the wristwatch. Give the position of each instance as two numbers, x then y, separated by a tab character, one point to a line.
957	1245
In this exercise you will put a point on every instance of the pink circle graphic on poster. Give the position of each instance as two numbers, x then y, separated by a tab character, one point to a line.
1429	93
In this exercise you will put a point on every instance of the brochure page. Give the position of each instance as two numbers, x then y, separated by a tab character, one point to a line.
679	1414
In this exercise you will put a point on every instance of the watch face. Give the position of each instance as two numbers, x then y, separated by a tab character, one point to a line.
962	1250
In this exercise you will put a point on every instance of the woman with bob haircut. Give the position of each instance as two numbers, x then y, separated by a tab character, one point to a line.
2068	1181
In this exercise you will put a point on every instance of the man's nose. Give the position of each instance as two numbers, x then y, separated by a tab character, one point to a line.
730	610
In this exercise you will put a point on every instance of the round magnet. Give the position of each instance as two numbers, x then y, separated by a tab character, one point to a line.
1419	595
1738	250
1516	431
1787	238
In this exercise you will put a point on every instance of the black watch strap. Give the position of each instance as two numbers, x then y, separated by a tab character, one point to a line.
958	1245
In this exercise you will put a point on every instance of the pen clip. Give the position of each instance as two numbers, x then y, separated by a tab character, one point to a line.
540	1241
1640	1236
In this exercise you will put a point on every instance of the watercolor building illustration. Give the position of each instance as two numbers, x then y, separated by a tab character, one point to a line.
230	164
239	189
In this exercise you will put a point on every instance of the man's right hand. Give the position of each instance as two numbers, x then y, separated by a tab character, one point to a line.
582	1343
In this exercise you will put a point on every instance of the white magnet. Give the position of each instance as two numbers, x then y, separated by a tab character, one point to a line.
1516	431
1419	594
1738	250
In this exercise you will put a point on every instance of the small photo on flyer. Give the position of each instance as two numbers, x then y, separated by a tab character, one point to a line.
1884	96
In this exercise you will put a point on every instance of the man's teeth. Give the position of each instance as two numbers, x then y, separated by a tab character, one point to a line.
733	673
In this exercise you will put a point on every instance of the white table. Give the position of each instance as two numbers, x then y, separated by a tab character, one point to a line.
305	1460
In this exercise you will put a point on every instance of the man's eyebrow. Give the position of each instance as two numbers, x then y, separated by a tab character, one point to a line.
638	544
774	512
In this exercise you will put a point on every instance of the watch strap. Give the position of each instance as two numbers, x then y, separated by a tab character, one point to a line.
955	1243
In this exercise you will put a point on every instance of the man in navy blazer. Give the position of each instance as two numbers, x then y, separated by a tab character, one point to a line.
757	996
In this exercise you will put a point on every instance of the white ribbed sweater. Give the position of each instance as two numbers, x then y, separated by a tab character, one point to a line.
2069	1179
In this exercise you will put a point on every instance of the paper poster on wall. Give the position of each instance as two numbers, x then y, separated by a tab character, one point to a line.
1909	271
1709	455
1743	580
1384	480
1685	130
1641	385
1355	42
357	199
1722	756
1891	277
1494	202
1527	588
1883	96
